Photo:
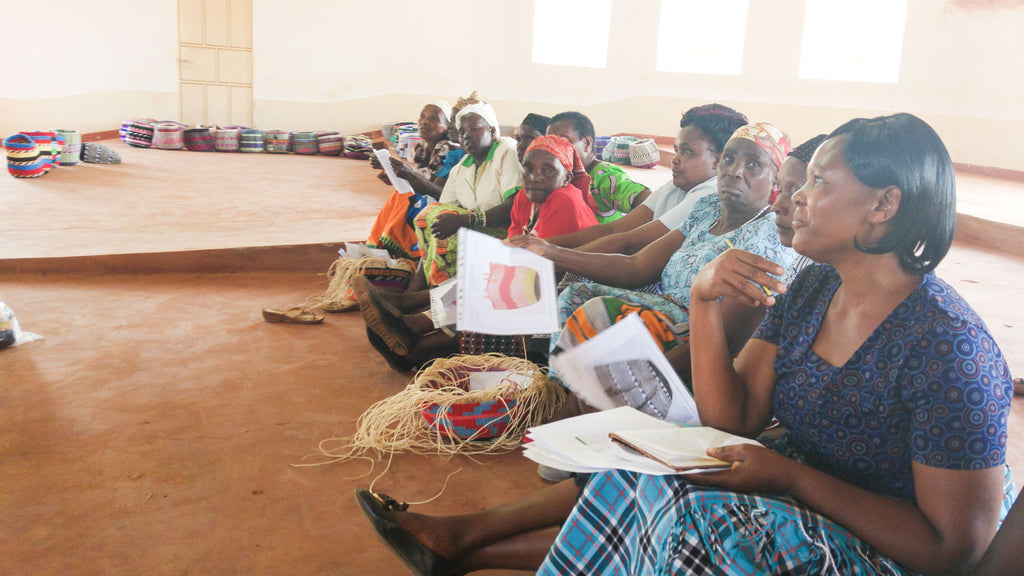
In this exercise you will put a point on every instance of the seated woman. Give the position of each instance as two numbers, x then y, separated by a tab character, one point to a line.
533	126
738	216
393	228
551	202
893	457
612	194
703	132
478	194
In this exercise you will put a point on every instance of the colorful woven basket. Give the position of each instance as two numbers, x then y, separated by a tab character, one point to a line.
226	139
168	136
620	148
600	143
305	143
250	140
138	133
69	154
410	146
23	157
198	139
45	144
277	142
358	146
478	420
330	143
644	153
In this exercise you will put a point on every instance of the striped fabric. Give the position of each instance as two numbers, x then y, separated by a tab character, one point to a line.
330	143
23	157
198	139
277	141
226	139
137	133
251	140
72	149
304	143
168	136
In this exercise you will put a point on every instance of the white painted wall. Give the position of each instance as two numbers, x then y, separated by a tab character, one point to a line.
351	65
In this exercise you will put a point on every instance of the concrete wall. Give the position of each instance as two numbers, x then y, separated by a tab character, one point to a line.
351	65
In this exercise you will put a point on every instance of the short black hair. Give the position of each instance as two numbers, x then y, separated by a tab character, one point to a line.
716	121
580	123
904	151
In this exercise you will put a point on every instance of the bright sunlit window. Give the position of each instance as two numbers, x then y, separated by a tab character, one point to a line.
859	41
571	32
702	36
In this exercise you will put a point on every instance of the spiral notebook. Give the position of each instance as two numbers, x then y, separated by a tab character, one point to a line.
503	290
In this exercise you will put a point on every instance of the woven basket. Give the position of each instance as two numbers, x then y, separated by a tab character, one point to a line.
471	418
69	154
168	136
330	143
198	139
138	133
23	157
45	144
226	139
250	140
305	143
600	143
620	148
644	153
277	141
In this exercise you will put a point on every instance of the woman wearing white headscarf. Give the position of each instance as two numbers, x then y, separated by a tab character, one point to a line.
478	194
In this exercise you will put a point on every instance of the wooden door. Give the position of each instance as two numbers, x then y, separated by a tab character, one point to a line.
215	61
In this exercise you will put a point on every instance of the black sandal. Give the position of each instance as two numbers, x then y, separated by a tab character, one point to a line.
380	510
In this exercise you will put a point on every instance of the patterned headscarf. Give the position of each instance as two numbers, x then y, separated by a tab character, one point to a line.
774	141
804	151
445	107
484	111
566	154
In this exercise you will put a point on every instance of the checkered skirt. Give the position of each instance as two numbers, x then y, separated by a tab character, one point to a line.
627	523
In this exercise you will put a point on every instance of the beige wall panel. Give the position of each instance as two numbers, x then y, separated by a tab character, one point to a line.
235	67
190	21
192	103
198	64
217	26
241	105
241	23
218	104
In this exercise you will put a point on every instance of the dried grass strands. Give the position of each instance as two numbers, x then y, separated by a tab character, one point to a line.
344	270
396	424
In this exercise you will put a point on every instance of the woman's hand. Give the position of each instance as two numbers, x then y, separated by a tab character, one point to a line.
375	163
531	243
448	224
402	170
738	274
754	469
383	177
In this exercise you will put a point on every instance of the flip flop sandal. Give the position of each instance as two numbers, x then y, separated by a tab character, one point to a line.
296	315
340	306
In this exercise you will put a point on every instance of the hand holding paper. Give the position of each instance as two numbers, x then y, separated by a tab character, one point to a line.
401	185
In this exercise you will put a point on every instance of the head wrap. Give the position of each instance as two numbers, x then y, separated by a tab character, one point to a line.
566	154
484	111
537	122
804	151
473	98
774	141
445	107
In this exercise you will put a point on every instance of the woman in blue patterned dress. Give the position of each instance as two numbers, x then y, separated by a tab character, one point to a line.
892	393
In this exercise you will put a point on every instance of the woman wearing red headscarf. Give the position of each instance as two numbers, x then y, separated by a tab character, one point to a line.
552	199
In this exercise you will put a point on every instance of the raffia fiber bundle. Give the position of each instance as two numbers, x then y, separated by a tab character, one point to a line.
387	275
397	424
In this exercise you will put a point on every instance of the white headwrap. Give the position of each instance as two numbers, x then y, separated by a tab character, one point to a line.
445	107
484	111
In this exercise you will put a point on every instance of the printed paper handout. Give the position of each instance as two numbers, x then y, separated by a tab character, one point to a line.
401	184
585	444
443	307
503	290
623	366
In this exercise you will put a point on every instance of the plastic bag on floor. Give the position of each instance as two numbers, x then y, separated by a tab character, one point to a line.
11	333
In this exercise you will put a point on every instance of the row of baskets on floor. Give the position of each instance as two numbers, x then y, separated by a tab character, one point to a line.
170	135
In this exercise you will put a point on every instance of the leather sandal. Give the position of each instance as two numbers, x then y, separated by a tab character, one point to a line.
380	511
295	315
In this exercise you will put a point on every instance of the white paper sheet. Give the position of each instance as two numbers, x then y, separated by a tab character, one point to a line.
401	184
628	339
517	308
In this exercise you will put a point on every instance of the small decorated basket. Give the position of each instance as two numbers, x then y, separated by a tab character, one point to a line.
138	133
358	146
277	141
644	153
168	136
198	139
600	143
72	149
226	139
620	148
304	143
23	157
251	140
330	143
45	142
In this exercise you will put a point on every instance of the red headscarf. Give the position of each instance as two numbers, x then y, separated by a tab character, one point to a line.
566	154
